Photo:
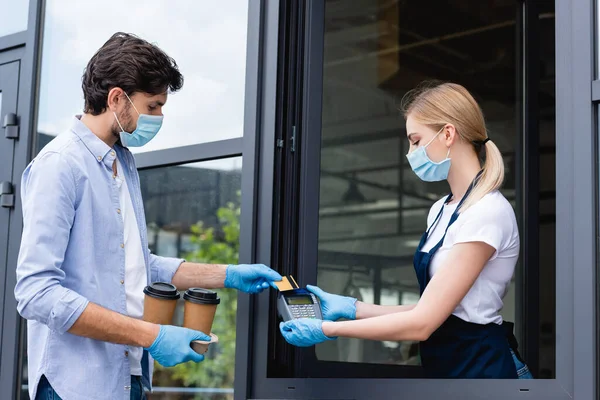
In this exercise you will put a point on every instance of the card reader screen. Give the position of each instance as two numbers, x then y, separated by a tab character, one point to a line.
298	300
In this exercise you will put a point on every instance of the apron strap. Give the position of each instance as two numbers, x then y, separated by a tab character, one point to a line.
435	221
454	216
512	340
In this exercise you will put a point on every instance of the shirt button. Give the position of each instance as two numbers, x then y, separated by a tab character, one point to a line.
122	245
112	153
126	353
99	158
122	281
118	211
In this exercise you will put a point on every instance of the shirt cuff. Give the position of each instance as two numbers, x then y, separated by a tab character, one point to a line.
66	311
163	268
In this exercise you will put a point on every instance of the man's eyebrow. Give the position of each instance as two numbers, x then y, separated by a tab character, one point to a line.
159	103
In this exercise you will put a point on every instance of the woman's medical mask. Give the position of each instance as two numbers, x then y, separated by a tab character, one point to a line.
426	169
147	127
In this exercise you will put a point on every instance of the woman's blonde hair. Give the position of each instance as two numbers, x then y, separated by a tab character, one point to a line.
438	104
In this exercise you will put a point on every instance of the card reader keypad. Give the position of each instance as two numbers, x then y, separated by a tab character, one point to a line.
303	311
298	303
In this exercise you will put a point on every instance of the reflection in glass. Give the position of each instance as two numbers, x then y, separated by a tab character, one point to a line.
14	16
192	212
373	209
207	40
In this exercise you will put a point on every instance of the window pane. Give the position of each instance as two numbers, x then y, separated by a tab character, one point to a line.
206	39
373	208
14	16
192	211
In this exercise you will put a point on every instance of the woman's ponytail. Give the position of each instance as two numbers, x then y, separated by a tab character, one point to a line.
492	177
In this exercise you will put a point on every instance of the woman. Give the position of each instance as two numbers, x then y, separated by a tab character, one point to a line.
464	262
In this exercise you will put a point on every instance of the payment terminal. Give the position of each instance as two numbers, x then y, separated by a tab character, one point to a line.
295	302
298	303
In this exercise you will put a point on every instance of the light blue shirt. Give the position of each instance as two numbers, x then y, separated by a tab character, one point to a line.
72	253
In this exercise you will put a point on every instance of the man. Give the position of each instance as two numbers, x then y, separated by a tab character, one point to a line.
84	258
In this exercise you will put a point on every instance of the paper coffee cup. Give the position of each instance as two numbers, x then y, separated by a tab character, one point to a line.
160	301
199	309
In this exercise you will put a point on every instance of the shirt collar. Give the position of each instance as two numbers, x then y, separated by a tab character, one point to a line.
98	149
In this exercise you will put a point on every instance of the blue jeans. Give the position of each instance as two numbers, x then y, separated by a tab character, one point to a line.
522	368
45	391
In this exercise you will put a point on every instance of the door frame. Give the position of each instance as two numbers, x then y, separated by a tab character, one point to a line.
25	47
10	65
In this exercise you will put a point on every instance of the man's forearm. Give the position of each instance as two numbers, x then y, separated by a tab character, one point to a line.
210	276
99	323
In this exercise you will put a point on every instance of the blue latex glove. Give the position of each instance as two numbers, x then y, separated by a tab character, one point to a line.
334	306
303	332
253	278
172	345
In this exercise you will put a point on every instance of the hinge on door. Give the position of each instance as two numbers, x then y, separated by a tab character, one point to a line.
7	198
11	126
293	139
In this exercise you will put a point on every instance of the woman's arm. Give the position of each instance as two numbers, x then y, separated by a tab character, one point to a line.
443	294
366	310
335	306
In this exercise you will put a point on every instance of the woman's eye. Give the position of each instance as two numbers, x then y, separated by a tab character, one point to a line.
416	143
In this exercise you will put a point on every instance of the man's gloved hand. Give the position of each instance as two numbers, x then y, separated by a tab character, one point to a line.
334	306
303	332
253	278
172	345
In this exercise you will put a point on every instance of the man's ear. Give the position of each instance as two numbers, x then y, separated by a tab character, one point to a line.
115	98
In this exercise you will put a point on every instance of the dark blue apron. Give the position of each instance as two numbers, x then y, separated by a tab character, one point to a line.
460	349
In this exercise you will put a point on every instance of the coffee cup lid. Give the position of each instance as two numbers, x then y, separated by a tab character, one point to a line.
201	296
162	290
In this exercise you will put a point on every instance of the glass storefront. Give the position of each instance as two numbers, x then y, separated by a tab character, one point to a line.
208	42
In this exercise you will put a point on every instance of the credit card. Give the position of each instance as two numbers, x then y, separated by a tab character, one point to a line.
285	284
294	281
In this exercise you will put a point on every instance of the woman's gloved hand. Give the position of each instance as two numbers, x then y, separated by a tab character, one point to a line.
252	278
303	332
172	345
334	306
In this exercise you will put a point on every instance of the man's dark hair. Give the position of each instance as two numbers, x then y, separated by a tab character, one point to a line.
132	64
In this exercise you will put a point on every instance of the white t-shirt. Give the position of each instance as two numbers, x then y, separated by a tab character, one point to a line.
491	220
135	265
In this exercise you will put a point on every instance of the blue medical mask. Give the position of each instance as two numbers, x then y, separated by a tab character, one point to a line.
426	169
147	127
